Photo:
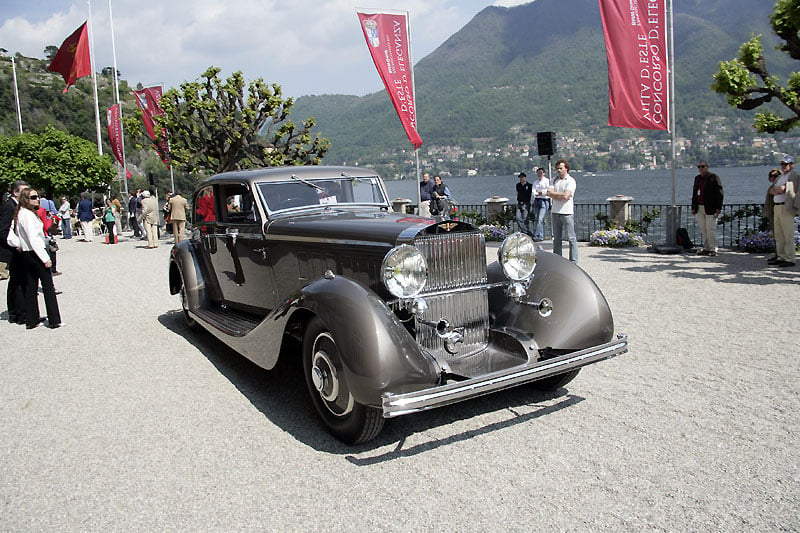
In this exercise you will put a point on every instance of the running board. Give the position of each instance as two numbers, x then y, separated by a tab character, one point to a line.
233	323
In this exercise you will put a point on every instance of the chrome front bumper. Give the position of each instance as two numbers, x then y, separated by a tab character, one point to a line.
401	404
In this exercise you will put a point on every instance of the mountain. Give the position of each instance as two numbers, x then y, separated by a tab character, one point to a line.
511	72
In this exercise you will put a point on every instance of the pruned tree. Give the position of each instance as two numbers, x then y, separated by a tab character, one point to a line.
54	161
218	126
747	83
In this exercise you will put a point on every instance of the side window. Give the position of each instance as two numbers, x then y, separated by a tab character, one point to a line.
237	204
204	207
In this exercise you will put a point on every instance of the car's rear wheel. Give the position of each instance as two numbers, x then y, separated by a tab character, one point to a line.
346	419
557	381
190	322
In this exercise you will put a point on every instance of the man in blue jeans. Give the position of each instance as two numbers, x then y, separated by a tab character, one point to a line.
562	192
524	190
541	203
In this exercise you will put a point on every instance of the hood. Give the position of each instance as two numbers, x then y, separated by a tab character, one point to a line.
358	226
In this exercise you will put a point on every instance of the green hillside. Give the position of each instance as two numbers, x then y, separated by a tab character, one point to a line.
511	72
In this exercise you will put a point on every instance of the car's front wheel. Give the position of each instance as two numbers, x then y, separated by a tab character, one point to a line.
348	420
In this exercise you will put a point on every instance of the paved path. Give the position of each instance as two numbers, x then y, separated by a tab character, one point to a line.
123	420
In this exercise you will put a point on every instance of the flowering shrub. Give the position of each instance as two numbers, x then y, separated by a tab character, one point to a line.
762	241
494	233
615	238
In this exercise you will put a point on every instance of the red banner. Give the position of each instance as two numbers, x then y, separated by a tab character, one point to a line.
114	125
149	101
72	60
388	42
636	48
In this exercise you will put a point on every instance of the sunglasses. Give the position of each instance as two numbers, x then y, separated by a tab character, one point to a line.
702	166
784	163
34	196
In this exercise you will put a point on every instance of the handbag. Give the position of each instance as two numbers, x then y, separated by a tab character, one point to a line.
13	237
52	244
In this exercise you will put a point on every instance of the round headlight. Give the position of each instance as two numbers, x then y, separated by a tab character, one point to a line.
404	271
517	255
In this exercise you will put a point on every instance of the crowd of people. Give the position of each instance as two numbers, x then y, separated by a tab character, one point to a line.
29	224
536	199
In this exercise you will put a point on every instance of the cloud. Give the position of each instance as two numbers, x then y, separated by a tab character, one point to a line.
306	46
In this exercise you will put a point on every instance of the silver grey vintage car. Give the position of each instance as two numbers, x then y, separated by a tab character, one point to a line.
396	313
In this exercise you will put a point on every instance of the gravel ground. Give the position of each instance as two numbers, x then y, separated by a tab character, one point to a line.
124	420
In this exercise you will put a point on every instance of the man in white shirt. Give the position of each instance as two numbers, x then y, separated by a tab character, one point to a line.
541	203
562	192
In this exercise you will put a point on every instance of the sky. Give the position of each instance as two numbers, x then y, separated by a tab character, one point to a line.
305	46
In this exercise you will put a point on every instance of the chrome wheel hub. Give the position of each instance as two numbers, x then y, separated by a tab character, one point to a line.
325	376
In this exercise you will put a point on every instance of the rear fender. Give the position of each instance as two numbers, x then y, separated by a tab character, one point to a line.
185	265
580	319
378	353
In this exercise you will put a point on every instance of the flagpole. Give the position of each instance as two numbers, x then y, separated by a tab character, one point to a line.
673	217
416	114
116	94
94	81
16	93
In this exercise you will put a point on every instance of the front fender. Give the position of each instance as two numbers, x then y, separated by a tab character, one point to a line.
378	353
580	319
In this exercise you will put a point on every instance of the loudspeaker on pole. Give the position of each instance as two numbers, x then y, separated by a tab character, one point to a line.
546	143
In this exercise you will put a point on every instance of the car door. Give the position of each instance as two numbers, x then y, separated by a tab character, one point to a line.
240	256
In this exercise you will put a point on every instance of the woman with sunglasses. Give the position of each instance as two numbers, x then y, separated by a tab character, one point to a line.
36	261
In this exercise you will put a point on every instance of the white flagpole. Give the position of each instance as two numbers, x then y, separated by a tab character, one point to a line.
673	214
94	81
16	93
416	114
116	94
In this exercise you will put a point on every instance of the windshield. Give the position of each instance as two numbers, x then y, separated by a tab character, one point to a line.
296	192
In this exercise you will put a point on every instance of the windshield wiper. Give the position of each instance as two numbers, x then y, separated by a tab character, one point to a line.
301	180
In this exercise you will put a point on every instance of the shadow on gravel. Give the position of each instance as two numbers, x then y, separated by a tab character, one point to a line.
727	267
280	395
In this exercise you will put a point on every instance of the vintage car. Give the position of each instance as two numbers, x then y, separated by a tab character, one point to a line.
396	313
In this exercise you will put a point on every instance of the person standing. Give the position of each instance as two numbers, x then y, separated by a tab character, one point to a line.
86	217
110	220
65	213
425	195
769	207
178	208
524	192
117	216
150	219
784	194
707	196
11	255
134	205
541	204
33	246
563	215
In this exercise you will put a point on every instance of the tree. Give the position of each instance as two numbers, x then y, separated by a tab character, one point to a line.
53	161
739	78
215	126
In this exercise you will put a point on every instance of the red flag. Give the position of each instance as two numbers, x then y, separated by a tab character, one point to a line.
388	42
72	60
149	101
636	48
115	135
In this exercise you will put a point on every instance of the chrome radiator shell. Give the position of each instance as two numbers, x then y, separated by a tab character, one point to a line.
456	262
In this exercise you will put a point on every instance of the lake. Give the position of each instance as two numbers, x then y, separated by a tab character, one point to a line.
742	185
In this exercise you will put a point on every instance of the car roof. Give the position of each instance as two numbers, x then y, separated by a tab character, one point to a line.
284	173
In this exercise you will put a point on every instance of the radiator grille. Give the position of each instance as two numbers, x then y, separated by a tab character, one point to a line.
455	261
